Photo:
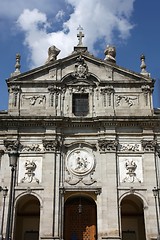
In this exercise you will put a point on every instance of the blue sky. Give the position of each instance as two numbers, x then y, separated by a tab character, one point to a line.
30	27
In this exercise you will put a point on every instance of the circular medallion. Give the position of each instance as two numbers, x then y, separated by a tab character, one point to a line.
80	162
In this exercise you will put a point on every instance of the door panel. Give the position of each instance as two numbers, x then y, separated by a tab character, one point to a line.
80	219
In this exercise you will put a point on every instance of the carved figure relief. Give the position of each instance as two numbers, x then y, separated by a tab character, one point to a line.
30	170
131	174
131	169
126	100
80	165
30	173
35	100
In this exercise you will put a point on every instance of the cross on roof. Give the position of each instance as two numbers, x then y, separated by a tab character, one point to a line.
80	35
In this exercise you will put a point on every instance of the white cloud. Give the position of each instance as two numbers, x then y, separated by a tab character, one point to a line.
59	16
12	9
99	18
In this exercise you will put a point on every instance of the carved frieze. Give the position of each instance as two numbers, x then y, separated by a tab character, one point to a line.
107	145
149	145
33	147
11	145
129	147
51	145
122	100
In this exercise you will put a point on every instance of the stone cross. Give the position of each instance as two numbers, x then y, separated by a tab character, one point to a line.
80	35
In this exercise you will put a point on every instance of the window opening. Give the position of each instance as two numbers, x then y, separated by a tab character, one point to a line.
80	104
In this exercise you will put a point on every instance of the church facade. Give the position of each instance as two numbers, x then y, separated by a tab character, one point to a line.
86	142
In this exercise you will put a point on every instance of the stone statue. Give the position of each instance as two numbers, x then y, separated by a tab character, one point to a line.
52	54
110	53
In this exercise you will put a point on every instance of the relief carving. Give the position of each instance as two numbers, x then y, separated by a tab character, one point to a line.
129	147
80	166
131	169
36	99
107	145
51	145
33	147
131	177
12	145
149	146
29	177
81	69
129	100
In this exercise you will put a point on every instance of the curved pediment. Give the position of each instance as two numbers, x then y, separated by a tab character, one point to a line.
89	79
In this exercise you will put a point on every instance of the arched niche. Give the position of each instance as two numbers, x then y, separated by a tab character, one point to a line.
132	218
27	218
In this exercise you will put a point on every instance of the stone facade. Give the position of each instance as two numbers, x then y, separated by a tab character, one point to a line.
86	131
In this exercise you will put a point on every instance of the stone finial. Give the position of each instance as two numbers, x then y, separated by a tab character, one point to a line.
110	53
52	54
143	66
17	65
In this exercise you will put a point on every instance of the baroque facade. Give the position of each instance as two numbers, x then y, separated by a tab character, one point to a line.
87	141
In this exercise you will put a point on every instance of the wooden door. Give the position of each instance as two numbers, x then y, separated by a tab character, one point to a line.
80	219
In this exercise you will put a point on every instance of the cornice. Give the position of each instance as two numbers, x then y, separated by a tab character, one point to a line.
63	122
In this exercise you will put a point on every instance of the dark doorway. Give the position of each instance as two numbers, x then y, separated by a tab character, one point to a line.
132	218
27	218
80	221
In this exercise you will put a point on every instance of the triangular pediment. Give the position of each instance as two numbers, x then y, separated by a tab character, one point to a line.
79	68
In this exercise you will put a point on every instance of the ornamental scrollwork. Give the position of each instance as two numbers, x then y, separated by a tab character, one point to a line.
12	145
81	69
107	145
51	145
129	147
33	147
149	145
